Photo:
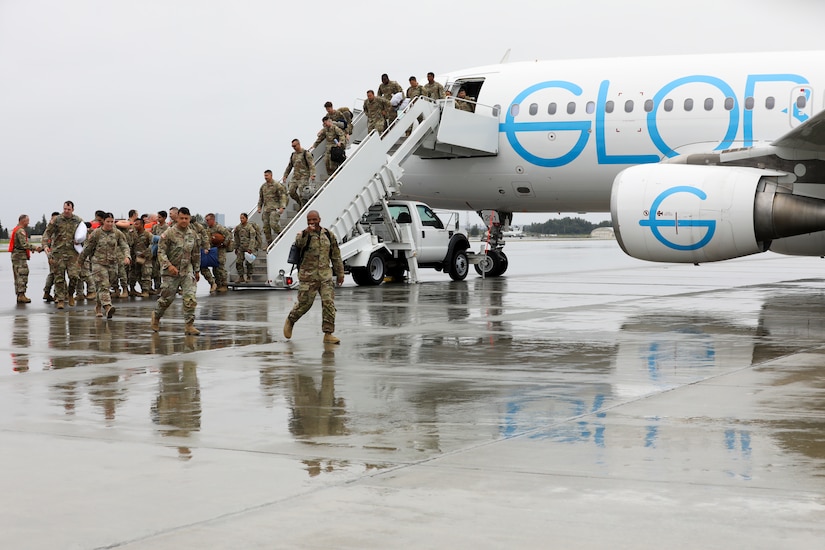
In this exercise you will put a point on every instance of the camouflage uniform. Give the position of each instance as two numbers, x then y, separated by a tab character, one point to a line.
122	271
342	120
377	112
107	250
330	135
64	256
182	249
315	276
415	91
387	91
219	278
247	239
302	166
47	288
464	104
271	197
434	90
20	254
141	268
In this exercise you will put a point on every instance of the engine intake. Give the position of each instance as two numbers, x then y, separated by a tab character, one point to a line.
693	214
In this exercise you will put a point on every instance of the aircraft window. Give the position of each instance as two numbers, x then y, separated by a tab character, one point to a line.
801	101
496	110
688	104
648	105
729	103
708	104
571	107
534	108
628	106
514	108
770	102
749	103
608	107
590	107
551	109
668	105
428	217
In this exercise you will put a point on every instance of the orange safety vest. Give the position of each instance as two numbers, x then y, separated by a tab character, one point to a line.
11	242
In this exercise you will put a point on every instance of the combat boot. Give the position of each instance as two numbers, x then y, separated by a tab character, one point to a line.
223	288
288	328
110	311
98	310
22	299
91	296
329	338
60	304
213	287
191	330
155	322
143	294
133	292
124	293
71	300
48	297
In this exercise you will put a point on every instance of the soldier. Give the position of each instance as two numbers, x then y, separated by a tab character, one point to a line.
340	117
21	251
334	136
63	254
302	165
218	280
141	268
180	260
157	230
463	102
124	273
377	109
272	200
108	249
247	239
415	89
46	242
387	89
433	89
319	249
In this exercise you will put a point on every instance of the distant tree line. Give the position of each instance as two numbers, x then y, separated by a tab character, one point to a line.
564	226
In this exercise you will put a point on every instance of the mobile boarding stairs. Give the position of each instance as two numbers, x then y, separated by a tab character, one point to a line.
370	175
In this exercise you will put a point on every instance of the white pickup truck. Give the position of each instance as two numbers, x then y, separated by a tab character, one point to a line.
401	236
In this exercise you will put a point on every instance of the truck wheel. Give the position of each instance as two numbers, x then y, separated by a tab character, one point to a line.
373	274
459	266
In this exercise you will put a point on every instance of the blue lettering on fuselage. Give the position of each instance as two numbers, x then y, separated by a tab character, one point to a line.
737	118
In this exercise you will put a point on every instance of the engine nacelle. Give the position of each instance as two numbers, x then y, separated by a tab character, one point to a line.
692	214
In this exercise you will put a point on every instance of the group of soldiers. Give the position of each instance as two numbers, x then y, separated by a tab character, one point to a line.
382	109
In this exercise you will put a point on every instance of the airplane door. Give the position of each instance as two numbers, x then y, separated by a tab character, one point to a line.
801	108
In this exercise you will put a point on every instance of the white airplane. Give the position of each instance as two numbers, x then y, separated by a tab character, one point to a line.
698	158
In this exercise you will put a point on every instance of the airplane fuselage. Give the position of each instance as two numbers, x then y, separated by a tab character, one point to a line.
567	128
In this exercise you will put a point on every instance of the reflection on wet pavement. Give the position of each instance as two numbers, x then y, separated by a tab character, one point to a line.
702	386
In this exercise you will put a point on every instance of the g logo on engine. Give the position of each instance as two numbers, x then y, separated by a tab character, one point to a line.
656	224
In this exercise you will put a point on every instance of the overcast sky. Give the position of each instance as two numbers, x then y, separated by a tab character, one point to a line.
152	103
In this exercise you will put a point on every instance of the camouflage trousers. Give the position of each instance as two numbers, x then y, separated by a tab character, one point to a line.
306	297
104	277
86	278
272	223
331	166
140	273
169	289
65	265
217	275
379	124
20	268
244	268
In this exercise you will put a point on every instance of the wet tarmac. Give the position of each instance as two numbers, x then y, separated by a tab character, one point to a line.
584	400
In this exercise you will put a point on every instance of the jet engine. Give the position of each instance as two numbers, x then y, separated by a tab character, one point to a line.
692	214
